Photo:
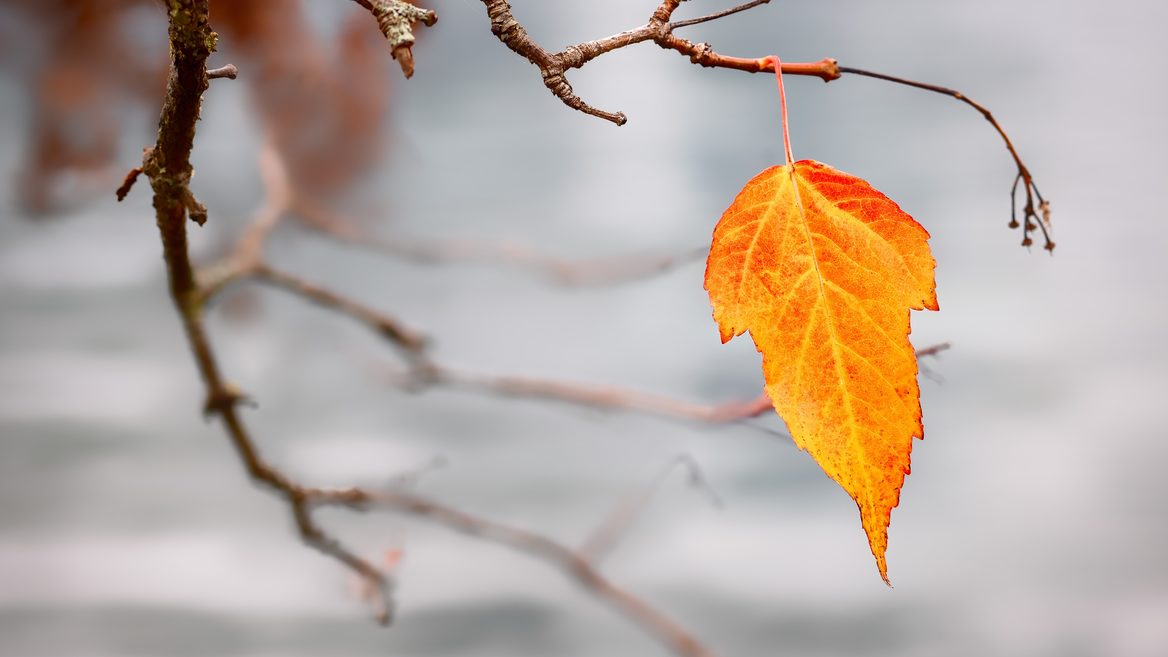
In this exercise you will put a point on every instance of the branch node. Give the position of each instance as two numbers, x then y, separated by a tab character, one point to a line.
224	399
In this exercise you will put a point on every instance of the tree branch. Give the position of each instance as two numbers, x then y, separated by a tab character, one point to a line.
658	29
168	168
607	398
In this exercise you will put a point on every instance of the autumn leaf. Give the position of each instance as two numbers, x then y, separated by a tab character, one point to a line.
822	269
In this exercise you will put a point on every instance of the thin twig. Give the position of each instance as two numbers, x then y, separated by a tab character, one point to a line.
716	15
609	398
616	524
933	350
407	339
598	396
1035	204
229	71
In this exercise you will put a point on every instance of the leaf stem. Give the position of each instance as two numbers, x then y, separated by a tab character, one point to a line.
778	66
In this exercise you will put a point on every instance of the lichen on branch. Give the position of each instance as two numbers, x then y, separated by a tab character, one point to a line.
396	19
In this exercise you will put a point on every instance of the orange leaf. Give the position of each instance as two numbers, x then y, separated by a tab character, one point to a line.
822	269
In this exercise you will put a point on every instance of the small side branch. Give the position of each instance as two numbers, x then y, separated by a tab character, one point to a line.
718	14
606	398
229	71
1036	210
409	341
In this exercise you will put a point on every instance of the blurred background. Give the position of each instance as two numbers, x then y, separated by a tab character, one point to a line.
1035	521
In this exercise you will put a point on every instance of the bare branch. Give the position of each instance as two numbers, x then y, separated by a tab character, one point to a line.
607	398
168	167
408	340
600	397
718	14
658	29
933	350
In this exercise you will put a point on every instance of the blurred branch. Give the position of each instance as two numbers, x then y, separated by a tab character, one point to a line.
608	398
608	270
617	523
572	563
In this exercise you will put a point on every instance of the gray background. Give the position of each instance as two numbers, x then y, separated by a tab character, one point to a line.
1033	522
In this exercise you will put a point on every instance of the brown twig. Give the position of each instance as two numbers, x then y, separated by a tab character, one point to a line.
597	396
1035	214
229	71
409	341
718	14
658	29
128	183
